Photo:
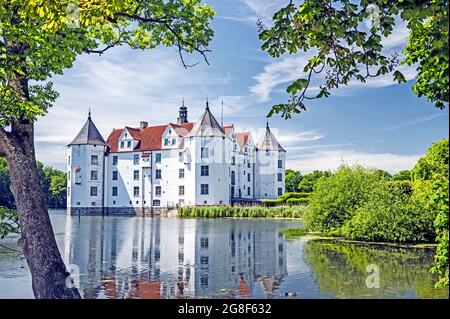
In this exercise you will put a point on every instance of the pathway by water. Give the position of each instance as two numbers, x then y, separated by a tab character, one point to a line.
130	257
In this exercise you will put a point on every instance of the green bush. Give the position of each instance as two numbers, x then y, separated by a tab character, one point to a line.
297	201
389	214
9	222
406	187
336	197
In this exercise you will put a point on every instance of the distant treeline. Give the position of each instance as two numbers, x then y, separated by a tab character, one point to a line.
296	182
53	181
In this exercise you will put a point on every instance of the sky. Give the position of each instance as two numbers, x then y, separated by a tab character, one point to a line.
379	124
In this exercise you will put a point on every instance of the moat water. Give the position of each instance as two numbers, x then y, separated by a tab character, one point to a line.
131	257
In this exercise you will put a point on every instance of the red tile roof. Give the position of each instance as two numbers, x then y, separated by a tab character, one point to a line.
227	129
242	138
150	138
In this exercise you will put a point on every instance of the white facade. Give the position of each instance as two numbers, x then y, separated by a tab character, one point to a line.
141	169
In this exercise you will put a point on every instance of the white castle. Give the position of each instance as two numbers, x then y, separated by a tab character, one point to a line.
151	169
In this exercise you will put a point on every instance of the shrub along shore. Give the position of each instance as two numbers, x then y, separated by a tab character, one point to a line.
241	211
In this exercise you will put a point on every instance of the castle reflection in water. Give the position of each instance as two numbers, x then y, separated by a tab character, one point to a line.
175	258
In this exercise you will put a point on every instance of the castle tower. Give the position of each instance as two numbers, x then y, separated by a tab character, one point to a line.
183	115
270	167
86	171
209	170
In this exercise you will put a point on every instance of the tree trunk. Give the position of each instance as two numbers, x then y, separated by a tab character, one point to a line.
50	278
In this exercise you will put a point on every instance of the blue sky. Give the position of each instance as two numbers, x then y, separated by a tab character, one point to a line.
379	124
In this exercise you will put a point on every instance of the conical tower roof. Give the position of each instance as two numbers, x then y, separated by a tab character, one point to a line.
269	142
207	125
89	134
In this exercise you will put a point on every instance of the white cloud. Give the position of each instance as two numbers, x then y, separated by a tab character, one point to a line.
414	121
123	88
293	139
331	159
281	71
256	9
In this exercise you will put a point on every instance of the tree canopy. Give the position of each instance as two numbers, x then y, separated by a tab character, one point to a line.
39	39
344	50
42	38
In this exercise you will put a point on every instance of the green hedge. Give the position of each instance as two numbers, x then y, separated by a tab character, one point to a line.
287	198
297	201
238	211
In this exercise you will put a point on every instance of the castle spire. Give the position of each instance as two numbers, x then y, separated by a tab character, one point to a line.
183	114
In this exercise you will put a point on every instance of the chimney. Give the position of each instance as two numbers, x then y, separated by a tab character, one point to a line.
143	125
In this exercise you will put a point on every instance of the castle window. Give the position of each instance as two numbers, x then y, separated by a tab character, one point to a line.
158	190
248	191
94	175
248	177
114	191
280	191
68	175
136	175
204	189
181	173
248	164
204	152
204	243
115	160
94	191
158	174
94	159
136	159
204	281
158	158
114	176
280	177
204	260
68	191
68	160
233	160
181	190
122	144
136	191
204	171
129	144
156	202
233	178
280	164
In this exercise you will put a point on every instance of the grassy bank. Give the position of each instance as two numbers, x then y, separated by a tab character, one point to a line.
239	212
